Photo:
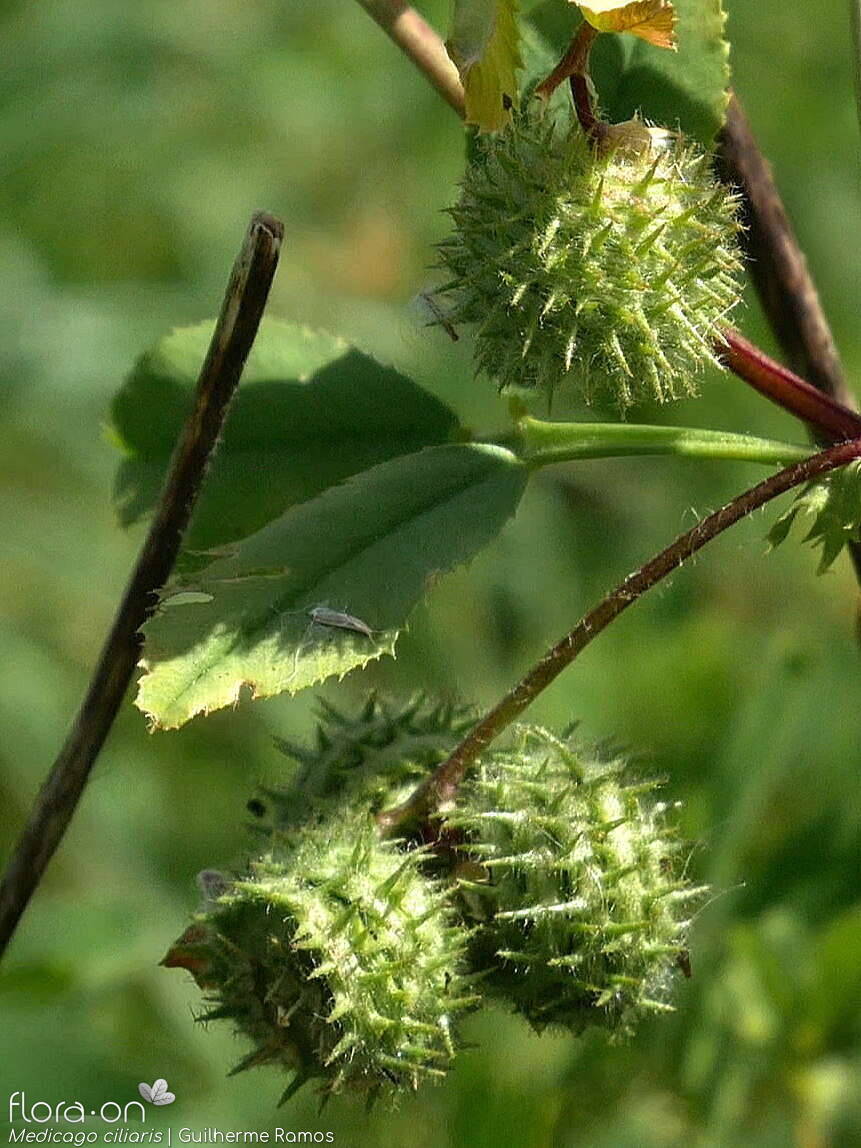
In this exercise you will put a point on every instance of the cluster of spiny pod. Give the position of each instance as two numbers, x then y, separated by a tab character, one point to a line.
553	884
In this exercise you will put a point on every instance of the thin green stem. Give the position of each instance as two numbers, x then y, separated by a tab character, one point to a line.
439	790
855	6
544	443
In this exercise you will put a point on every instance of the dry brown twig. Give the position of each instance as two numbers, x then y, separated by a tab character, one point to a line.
58	798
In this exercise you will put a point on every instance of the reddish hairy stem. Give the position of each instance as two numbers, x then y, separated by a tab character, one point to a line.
574	62
58	798
829	419
440	788
594	128
574	66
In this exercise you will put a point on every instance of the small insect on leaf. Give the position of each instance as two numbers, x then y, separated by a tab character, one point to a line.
338	621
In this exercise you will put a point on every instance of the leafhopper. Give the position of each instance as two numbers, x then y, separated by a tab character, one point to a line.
323	616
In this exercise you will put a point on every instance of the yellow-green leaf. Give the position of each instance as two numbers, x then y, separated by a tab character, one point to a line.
485	46
651	20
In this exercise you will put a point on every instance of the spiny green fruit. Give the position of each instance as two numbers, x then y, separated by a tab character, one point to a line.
610	271
834	504
367	757
576	877
338	957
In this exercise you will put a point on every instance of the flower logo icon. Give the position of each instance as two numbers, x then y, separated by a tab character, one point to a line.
157	1093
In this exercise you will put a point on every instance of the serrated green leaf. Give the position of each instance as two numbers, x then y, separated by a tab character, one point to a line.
368	547
833	507
311	410
687	89
485	46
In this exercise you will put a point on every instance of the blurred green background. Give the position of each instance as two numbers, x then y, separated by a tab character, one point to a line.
135	141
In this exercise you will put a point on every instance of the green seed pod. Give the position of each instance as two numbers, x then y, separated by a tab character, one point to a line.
368	758
610	271
339	959
575	875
